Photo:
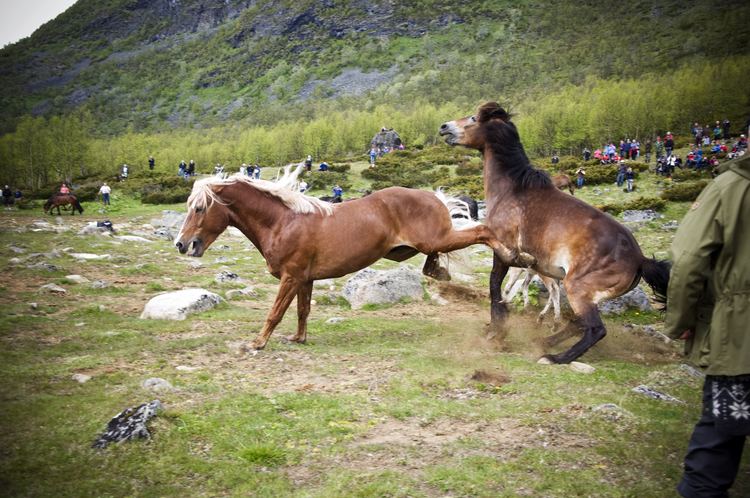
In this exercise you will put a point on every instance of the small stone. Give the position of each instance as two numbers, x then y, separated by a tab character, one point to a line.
653	393
77	279
33	306
583	368
235	293
99	284
102	307
545	361
157	384
80	324
439	300
84	256
335	319
185	368
692	371
81	378
54	288
14	261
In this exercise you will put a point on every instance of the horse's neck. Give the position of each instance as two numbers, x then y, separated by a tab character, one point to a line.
497	185
253	213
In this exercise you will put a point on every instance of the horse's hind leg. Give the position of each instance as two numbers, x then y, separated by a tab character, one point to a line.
433	269
304	295
593	331
287	290
498	308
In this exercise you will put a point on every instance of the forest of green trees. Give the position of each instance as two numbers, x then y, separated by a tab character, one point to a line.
43	150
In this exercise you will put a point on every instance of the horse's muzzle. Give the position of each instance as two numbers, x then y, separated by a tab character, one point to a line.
195	246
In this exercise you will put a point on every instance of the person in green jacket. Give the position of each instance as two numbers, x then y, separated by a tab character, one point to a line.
708	306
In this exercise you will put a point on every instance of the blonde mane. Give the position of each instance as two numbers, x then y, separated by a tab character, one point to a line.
284	189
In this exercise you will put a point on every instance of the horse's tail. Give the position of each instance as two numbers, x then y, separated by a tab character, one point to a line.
459	211
656	275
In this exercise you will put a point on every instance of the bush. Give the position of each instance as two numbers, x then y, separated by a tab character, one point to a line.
326	180
639	204
404	174
166	196
688	191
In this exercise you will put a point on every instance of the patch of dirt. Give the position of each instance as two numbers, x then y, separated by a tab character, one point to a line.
414	444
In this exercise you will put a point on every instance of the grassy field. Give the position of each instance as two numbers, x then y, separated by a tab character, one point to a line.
405	400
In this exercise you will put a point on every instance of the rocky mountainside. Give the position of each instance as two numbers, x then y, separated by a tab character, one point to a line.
147	64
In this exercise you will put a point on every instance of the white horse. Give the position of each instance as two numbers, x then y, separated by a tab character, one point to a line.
515	284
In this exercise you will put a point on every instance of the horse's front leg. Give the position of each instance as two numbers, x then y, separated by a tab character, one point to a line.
304	296
287	290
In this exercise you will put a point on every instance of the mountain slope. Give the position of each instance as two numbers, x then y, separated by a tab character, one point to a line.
147	64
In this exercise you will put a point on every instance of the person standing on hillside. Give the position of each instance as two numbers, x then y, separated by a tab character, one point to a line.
621	169
708	306
190	168
151	162
580	177
586	154
104	191
308	163
630	178
647	149
373	156
668	143
7	198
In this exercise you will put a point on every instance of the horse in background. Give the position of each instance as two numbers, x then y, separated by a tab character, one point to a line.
563	182
596	257
58	200
304	239
515	284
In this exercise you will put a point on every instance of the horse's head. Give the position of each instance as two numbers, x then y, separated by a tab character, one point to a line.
468	131
207	217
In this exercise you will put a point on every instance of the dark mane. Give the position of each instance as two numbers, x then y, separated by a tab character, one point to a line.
502	137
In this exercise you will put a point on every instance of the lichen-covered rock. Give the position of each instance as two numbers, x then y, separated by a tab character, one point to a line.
383	287
178	305
635	299
128	424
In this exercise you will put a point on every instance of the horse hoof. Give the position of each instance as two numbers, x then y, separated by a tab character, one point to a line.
252	347
526	259
295	339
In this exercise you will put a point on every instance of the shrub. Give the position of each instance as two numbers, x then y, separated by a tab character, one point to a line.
326	180
172	196
640	204
688	191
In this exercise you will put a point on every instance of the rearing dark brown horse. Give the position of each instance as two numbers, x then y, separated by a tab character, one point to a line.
58	200
304	239
595	256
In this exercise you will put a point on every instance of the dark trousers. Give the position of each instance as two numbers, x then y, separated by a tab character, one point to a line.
712	459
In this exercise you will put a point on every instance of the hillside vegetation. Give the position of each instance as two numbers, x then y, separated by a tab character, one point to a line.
110	82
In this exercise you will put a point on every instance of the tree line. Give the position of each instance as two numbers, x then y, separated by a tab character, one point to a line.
43	150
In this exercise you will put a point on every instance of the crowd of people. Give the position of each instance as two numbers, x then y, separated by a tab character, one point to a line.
709	145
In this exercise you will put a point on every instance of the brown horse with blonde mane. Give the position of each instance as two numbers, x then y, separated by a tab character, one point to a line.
57	200
304	239
595	256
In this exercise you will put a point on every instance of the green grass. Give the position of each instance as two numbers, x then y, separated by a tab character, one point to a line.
379	404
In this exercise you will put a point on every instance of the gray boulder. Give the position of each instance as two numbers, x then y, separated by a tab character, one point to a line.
635	299
226	276
383	287
640	216
178	305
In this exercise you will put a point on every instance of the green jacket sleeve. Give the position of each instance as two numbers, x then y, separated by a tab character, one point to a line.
697	240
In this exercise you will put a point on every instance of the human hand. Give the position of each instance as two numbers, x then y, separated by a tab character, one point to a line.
687	334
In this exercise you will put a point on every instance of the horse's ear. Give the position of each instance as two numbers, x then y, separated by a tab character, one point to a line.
492	110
